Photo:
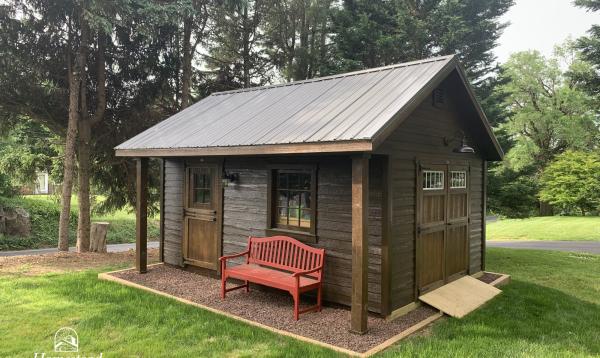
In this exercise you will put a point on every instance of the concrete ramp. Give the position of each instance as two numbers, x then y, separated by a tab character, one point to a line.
460	297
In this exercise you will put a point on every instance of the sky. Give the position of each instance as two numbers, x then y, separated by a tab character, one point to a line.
541	24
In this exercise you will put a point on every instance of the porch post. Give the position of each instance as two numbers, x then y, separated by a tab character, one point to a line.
360	208
141	218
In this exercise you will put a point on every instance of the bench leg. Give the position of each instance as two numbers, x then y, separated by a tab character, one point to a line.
296	297
247	286
319	296
223	288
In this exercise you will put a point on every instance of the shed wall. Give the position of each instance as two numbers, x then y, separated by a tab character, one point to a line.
421	137
245	214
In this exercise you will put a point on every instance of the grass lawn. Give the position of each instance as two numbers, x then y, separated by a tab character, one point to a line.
552	308
546	228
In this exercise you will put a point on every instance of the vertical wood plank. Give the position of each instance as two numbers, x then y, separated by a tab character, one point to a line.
386	211
483	213
161	242
360	234
141	242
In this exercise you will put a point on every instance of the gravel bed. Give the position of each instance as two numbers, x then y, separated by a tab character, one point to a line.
275	308
489	277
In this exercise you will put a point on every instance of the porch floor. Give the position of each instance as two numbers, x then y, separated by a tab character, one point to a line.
275	309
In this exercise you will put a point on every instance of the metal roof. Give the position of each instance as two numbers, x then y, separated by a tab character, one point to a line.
342	108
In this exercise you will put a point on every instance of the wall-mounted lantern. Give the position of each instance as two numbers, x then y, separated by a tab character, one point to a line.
460	136
230	178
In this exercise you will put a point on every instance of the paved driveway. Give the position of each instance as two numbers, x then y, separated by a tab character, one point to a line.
109	248
592	247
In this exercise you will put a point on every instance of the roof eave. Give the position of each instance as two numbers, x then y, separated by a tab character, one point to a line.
269	149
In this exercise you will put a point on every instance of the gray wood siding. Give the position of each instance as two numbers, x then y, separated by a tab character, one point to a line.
173	212
421	137
245	213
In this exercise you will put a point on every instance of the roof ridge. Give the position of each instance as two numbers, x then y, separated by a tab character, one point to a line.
340	75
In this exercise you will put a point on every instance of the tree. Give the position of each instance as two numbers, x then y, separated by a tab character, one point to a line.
370	34
550	113
236	46
296	33
572	180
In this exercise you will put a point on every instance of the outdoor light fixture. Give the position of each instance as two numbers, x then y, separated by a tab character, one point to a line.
230	178
464	147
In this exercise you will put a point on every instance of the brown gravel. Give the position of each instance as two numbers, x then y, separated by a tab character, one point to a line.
67	261
489	277
275	308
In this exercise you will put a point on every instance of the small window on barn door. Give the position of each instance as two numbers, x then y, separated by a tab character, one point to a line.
433	180
458	179
293	202
200	187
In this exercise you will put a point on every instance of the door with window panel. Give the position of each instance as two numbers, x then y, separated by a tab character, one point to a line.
457	231
202	198
442	231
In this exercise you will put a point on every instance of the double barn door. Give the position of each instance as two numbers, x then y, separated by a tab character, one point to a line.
442	225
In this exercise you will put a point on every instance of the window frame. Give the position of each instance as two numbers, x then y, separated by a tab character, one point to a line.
465	180
303	234
190	204
431	171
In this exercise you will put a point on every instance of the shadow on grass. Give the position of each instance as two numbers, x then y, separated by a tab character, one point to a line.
525	320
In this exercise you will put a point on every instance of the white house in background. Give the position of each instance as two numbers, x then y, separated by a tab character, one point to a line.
43	185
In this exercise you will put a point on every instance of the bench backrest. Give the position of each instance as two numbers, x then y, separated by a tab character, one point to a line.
285	253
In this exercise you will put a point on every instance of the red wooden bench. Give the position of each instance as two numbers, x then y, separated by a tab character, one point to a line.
280	262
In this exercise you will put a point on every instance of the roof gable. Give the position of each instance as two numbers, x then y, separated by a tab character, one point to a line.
320	115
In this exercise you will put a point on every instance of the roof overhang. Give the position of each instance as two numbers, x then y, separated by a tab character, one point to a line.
279	149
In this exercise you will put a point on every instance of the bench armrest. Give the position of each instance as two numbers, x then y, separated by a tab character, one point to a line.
298	274
223	258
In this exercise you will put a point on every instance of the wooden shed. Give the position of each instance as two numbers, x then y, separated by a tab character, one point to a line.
384	168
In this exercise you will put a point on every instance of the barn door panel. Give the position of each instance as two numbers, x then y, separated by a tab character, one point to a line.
201	244
457	234
432	227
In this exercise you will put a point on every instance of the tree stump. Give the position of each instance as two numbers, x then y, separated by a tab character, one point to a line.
98	237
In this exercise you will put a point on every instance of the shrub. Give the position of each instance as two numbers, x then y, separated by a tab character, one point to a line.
572	182
44	217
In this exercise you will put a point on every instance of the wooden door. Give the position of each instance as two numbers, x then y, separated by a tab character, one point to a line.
431	232
442	225
201	246
457	232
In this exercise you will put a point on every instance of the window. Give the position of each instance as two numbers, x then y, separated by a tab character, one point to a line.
433	180
200	190
293	206
458	180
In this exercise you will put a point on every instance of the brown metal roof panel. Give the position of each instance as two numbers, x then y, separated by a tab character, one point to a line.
346	116
394	100
301	126
227	123
159	129
248	132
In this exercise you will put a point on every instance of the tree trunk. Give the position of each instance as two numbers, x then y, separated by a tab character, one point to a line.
83	154
546	209
71	140
186	79
86	124
98	237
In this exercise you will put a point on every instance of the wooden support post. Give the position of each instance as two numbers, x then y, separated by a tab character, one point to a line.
141	219
360	234
484	176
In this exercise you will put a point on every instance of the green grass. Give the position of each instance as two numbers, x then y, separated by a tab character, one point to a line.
551	309
45	210
546	228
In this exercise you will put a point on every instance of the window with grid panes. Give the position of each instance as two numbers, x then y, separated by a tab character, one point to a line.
293	206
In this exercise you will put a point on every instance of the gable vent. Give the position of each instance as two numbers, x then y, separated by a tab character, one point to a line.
439	98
